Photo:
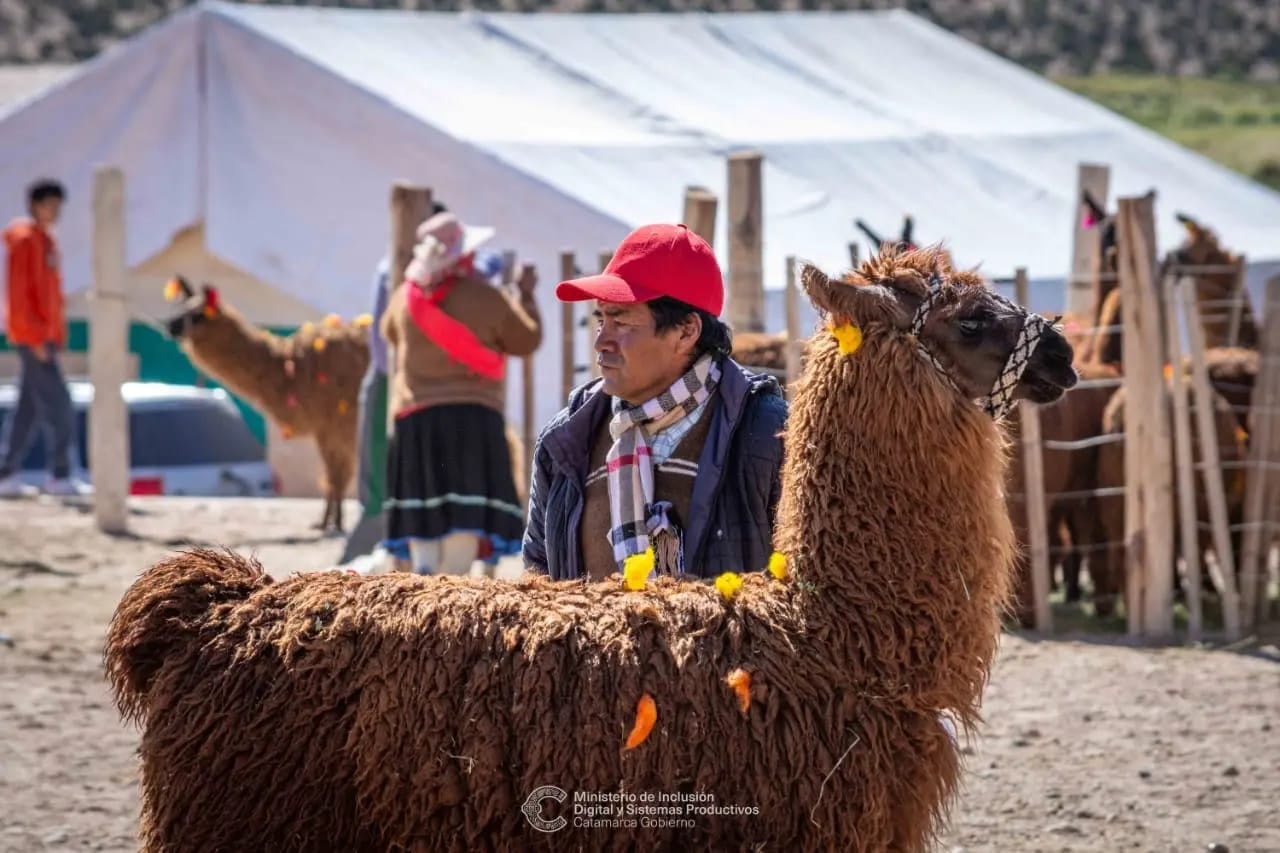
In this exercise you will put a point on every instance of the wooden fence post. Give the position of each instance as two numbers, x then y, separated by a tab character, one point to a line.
1264	451
568	369
700	213
528	429
1084	242
1033	498
109	355
606	255
1239	294
1148	478
410	206
794	343
1188	522
1210	464
746	242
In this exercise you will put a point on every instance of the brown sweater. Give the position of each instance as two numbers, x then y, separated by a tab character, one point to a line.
421	373
672	481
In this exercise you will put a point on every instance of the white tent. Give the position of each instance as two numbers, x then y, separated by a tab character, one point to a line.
280	131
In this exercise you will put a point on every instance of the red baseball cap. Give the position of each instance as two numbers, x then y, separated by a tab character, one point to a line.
654	261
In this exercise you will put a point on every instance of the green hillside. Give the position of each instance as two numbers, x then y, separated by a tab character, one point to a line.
1234	122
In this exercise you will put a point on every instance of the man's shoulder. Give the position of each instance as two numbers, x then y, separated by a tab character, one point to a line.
764	417
578	398
21	230
764	409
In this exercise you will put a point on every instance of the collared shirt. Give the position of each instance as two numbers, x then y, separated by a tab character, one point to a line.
662	445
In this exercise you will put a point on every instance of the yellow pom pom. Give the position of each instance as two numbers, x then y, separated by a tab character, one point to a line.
363	321
728	584
636	570
332	321
172	291
308	327
319	344
778	565
848	336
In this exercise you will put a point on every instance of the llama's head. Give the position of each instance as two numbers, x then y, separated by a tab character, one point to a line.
198	311
1095	216
981	345
1201	246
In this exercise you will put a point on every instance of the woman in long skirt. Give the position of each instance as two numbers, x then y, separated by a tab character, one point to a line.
451	493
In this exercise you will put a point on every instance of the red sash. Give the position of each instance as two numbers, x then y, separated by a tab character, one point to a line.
452	336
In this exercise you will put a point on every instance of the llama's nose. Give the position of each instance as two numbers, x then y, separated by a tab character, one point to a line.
1055	355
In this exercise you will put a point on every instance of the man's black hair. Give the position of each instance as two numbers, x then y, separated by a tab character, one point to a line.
45	188
715	337
437	207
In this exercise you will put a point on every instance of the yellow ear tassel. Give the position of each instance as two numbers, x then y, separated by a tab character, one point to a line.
848	336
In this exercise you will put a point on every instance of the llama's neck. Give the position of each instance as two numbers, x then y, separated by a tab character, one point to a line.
894	521
242	357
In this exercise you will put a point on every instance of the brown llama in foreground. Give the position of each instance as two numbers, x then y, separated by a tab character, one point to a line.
308	383
397	712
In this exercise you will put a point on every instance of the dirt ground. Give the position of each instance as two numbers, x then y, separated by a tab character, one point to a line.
1091	744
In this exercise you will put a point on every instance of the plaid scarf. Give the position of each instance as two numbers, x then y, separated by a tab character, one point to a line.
634	515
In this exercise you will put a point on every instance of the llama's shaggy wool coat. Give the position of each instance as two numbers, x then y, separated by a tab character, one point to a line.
307	383
334	712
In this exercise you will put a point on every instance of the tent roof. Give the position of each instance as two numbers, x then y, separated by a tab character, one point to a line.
282	129
858	114
594	124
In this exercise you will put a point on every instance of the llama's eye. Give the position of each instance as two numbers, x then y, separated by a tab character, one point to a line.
971	327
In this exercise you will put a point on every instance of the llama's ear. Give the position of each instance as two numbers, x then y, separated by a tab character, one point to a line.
908	225
177	288
833	298
876	240
1193	227
211	297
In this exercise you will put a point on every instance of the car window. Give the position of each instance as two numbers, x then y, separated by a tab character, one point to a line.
186	432
193	432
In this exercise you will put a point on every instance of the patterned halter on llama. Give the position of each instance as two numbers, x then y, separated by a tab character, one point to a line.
999	401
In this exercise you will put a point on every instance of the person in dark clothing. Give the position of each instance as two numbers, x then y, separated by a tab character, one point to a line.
676	448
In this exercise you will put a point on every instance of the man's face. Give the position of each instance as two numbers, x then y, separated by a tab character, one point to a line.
46	211
636	362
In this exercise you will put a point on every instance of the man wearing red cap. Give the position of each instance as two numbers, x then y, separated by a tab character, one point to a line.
676	448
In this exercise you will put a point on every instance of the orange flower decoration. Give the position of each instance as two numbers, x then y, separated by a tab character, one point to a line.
740	681
646	716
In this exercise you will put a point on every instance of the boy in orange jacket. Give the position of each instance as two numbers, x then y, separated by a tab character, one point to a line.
36	327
